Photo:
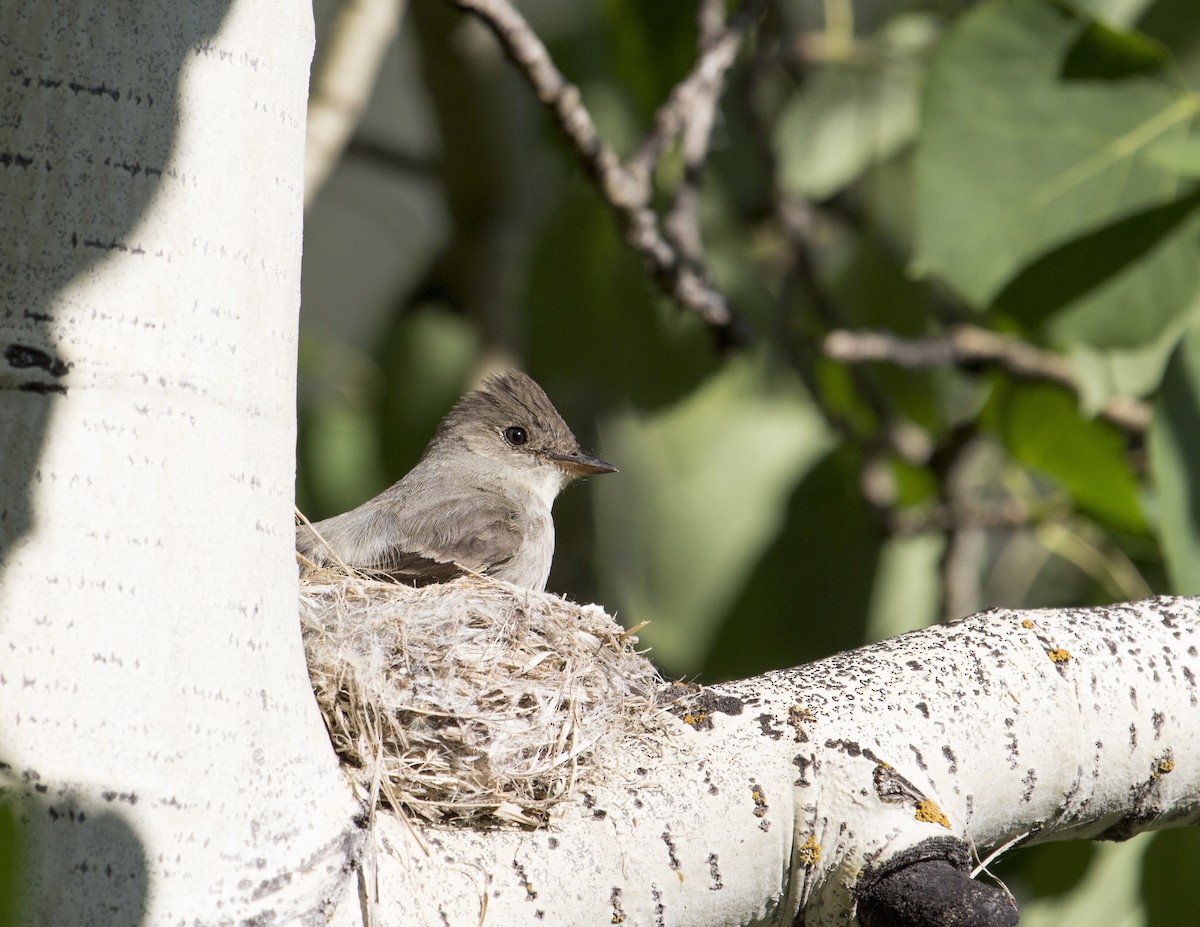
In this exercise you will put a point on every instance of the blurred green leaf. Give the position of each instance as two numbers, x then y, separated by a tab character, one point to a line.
653	46
1107	894
906	593
840	396
809	595
700	495
1176	25
1104	373
428	364
1180	155
1174	443
848	116
593	318
1104	53
1017	162
872	285
914	485
338	442
1170	890
10	863
1113	12
1118	287
1042	428
343	444
1046	870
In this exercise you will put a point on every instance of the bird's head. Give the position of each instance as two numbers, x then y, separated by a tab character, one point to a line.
511	420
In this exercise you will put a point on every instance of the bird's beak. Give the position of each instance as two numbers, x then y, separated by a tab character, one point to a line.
580	464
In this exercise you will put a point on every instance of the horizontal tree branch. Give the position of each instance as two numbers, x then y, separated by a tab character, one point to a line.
803	789
967	345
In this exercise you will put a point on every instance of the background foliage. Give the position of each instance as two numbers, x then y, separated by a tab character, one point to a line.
1025	167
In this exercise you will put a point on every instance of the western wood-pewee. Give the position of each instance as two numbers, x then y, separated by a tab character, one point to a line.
478	499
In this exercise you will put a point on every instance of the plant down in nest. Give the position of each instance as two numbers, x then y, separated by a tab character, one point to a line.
472	701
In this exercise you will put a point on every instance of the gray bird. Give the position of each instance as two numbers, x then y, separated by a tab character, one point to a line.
478	499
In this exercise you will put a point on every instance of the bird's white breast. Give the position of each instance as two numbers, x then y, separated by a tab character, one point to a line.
530	565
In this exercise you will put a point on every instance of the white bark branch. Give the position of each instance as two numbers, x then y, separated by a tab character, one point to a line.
1056	724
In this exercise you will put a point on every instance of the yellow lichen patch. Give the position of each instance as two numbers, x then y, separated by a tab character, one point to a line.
799	717
1059	655
618	915
695	718
1165	766
760	801
809	854
1027	624
930	813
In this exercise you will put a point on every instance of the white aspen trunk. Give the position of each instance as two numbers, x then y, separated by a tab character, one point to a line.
164	761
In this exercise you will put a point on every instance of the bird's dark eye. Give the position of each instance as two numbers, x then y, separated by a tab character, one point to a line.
515	435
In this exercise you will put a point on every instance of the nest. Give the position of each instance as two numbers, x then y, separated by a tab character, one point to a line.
473	701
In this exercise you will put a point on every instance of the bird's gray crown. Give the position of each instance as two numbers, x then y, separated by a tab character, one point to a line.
508	399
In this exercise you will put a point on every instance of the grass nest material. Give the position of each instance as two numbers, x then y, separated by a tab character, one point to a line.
472	701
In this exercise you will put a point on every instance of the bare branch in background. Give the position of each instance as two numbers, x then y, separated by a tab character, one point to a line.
675	259
345	75
975	513
693	101
690	113
969	345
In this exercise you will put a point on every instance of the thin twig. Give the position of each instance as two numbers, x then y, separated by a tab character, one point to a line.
690	112
701	89
627	187
1002	849
1007	513
968	345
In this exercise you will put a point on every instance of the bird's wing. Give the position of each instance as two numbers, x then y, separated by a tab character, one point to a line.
417	543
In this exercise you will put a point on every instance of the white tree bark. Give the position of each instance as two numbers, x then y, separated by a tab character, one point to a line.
1051	724
158	736
165	763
